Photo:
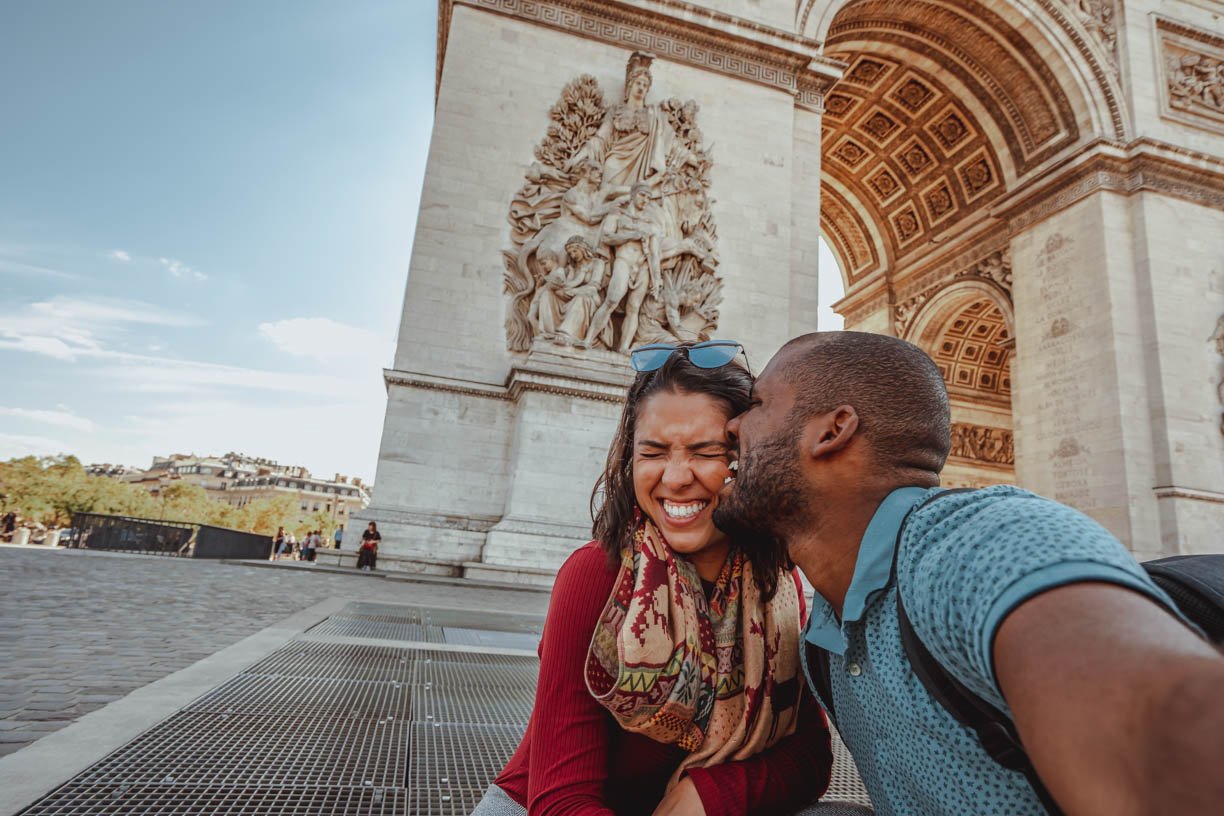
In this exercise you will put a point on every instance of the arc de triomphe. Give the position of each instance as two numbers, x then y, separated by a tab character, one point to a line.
1031	190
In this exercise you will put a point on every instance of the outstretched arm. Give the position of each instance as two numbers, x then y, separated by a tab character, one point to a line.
1118	704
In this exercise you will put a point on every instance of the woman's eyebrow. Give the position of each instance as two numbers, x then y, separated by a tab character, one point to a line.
713	443
650	443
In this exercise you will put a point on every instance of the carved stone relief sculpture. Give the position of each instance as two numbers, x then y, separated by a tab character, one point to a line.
1193	74
1098	17
982	444
614	240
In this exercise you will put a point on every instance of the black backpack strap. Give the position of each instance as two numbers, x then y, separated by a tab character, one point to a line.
818	670
994	729
818	658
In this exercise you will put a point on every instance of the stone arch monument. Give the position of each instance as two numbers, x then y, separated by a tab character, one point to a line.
1031	190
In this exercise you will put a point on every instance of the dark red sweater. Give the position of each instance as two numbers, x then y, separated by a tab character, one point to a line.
575	759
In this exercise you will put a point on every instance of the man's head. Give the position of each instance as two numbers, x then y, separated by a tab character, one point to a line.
834	415
640	193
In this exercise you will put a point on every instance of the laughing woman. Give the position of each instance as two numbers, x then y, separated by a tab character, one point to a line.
669	671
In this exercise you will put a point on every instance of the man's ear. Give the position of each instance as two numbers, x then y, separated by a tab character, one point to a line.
831	432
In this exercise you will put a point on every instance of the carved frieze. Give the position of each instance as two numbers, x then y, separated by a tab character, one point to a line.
980	443
614	238
1193	71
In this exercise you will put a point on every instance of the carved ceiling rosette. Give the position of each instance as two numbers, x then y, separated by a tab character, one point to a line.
614	241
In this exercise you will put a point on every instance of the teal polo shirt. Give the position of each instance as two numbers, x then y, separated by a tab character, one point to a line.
965	562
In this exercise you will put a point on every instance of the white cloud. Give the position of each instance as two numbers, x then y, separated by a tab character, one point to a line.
20	268
180	270
65	327
62	417
13	445
119	255
326	340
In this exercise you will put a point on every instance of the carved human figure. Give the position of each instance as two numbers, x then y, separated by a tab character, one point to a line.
584	274
545	312
636	141
634	235
583	208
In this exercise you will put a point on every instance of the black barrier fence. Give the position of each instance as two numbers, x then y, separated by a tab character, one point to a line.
96	531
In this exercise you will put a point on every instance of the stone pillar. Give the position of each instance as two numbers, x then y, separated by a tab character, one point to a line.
1114	408
1080	409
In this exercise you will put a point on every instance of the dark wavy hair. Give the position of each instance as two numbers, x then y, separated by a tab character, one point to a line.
613	502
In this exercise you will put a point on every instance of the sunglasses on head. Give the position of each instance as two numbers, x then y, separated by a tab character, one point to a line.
710	354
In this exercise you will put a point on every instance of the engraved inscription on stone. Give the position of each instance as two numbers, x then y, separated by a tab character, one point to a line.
1218	338
614	240
1067	377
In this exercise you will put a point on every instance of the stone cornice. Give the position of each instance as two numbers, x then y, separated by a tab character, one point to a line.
1175	492
521	380
680	32
1143	165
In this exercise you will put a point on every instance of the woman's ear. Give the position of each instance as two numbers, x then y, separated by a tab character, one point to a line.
831	432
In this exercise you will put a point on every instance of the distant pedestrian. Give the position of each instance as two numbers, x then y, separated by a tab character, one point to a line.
368	555
9	523
279	542
339	535
292	549
310	545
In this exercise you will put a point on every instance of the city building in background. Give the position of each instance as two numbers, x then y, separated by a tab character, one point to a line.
239	480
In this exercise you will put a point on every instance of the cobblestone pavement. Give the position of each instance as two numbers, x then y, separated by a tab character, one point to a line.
79	629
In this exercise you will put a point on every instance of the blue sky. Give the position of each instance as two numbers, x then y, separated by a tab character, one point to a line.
206	217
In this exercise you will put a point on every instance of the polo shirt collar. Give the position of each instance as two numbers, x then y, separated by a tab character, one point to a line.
872	571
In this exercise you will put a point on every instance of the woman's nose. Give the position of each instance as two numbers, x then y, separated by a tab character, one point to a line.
677	473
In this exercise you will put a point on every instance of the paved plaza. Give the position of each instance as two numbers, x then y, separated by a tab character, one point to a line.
79	630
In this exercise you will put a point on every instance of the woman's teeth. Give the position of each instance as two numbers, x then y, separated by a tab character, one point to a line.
680	511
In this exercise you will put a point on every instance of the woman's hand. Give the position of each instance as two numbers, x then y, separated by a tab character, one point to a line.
683	800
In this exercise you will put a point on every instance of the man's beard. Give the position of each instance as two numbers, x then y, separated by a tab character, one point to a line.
766	497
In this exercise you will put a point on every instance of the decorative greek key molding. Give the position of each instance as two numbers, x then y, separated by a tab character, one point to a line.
680	32
979	443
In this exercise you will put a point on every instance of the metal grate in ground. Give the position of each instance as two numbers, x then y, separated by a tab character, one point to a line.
455	674
337	661
344	626
471	706
237	750
451	766
306	697
173	800
325	728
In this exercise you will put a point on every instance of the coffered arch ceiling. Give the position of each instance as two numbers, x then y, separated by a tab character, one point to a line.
944	107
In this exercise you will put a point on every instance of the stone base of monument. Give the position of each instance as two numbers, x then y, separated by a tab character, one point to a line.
529	449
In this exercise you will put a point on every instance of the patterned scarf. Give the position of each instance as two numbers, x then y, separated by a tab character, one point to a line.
719	679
